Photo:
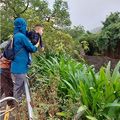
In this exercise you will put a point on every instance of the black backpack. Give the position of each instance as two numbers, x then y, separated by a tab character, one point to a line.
8	52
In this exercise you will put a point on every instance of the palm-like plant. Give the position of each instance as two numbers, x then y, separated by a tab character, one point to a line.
98	94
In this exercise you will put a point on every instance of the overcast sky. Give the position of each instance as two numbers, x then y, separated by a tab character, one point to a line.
90	13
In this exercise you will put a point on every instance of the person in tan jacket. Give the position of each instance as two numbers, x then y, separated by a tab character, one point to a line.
6	83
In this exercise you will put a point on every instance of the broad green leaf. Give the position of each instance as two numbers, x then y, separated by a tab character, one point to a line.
91	118
113	105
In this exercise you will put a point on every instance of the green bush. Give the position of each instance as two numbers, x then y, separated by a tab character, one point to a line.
81	92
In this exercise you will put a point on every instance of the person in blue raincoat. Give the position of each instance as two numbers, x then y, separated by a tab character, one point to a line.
22	47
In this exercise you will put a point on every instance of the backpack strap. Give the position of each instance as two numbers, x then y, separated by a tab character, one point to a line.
12	45
18	52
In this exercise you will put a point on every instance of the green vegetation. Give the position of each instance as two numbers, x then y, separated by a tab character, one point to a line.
74	90
63	86
109	38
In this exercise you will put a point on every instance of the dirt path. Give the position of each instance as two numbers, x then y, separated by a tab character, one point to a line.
99	61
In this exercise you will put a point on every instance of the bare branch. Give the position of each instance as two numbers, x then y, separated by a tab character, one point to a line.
25	7
13	8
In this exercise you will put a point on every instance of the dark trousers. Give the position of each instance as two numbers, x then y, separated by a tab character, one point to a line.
6	84
19	88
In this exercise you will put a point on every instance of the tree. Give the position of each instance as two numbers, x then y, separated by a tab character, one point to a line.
34	11
61	14
15	7
11	9
57	41
112	18
40	8
88	41
109	39
76	32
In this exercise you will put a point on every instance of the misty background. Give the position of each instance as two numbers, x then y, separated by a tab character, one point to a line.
90	13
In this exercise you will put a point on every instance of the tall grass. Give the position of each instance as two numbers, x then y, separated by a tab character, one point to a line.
97	94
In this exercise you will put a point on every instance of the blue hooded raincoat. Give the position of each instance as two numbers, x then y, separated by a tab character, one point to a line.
22	46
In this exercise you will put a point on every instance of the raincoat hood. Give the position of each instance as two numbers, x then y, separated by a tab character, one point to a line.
20	25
